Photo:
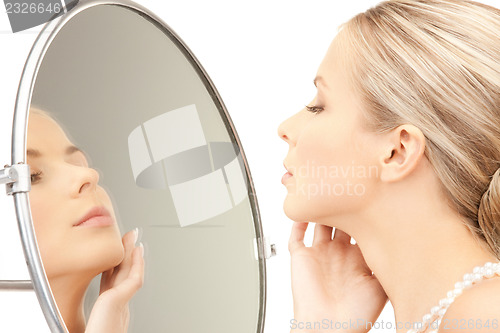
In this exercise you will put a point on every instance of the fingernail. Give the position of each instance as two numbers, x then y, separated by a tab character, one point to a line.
136	235
141	246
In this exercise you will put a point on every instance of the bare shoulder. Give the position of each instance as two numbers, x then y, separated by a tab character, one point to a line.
477	309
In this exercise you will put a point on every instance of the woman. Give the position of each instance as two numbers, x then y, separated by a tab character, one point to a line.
400	150
77	233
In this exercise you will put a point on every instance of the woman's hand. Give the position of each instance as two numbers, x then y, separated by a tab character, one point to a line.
332	283
110	313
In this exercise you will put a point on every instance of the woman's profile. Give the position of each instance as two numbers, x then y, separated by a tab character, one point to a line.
77	232
400	150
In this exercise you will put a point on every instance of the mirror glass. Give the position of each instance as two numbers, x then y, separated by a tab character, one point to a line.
122	88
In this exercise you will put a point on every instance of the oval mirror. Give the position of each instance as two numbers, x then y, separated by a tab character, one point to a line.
156	144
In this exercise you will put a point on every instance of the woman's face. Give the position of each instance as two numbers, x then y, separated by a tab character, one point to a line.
64	190
331	156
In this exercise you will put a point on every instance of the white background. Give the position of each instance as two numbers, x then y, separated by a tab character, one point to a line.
262	56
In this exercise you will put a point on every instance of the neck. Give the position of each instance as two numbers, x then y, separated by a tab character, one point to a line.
419	265
69	293
417	246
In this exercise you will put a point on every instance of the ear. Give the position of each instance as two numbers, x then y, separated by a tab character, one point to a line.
404	150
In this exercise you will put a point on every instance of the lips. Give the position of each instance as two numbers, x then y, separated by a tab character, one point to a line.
97	216
287	168
287	175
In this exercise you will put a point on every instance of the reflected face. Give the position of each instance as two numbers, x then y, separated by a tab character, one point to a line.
331	154
73	216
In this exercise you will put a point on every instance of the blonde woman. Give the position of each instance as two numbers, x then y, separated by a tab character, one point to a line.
77	232
400	150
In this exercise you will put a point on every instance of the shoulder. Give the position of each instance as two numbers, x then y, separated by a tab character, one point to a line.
477	309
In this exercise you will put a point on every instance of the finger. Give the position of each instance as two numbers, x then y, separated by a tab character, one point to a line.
322	234
106	280
341	237
129	240
296	239
123	268
135	278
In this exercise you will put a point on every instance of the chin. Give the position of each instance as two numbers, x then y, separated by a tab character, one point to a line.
83	256
295	212
102	256
91	264
302	209
111	257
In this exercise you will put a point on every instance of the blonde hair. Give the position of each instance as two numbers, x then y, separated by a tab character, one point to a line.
436	64
40	112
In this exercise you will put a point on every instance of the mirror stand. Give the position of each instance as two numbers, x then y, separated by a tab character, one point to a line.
167	153
16	178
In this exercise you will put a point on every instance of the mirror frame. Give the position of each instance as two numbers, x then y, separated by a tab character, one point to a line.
19	140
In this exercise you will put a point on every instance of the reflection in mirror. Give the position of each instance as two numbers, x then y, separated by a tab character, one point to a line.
76	230
158	151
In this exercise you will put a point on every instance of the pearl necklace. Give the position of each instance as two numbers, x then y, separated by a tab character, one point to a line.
437	312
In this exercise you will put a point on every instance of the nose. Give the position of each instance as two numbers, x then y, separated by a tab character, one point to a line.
283	131
289	129
85	181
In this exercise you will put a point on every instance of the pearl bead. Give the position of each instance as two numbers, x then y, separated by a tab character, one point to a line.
435	309
442	312
479	273
468	276
444	303
477	277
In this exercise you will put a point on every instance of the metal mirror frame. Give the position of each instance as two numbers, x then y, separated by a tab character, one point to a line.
39	281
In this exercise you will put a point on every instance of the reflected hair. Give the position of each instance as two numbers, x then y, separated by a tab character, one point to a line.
435	64
39	111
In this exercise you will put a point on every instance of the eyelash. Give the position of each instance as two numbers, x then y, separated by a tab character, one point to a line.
314	109
35	177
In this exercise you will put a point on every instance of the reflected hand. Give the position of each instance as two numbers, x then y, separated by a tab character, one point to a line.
331	280
110	313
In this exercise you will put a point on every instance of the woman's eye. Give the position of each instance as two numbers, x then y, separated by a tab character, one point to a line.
314	109
35	177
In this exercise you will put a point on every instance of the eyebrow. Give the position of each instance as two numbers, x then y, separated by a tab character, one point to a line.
36	153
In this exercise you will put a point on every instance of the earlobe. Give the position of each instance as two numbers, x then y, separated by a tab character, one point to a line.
404	152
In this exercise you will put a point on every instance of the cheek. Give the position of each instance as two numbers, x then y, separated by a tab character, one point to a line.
333	172
66	250
48	230
325	156
43	211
